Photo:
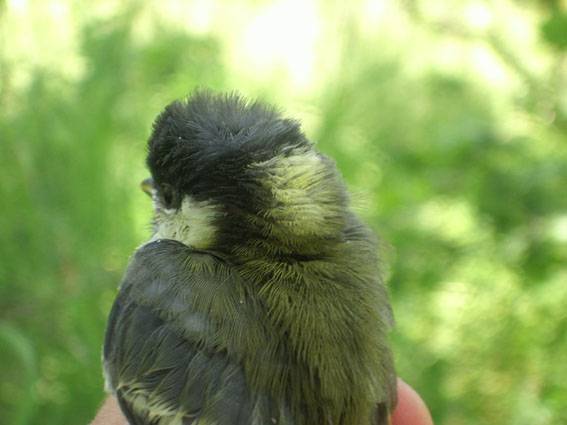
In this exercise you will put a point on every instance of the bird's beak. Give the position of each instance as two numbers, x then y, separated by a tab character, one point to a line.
147	186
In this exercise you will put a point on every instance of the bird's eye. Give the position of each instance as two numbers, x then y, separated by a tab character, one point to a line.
168	196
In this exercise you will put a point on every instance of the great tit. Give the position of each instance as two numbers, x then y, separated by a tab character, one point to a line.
259	299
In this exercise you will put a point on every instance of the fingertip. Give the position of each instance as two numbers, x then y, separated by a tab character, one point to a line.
411	410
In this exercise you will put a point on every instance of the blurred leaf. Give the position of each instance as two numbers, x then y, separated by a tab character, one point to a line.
19	381
554	30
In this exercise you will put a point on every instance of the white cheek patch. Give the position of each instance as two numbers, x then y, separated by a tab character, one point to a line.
192	224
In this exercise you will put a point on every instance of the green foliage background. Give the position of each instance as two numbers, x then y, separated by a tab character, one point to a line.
448	120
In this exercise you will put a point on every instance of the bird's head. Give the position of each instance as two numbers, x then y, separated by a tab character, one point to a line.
236	177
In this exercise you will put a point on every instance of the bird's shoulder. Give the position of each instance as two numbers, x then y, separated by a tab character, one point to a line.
197	292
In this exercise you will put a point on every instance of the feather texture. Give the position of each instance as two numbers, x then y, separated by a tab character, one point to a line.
271	308
187	341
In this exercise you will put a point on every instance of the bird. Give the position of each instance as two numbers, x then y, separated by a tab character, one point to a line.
259	297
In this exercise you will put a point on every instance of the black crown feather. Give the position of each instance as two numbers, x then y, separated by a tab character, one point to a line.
209	139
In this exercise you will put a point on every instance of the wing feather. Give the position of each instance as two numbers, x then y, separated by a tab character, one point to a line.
160	365
181	347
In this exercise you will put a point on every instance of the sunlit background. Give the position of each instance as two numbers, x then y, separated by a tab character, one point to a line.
448	119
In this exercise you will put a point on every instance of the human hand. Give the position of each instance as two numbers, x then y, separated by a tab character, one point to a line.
109	414
411	410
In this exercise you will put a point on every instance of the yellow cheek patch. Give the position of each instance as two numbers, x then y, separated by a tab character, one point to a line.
306	196
193	224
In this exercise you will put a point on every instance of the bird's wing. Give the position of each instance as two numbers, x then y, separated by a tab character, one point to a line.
164	357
